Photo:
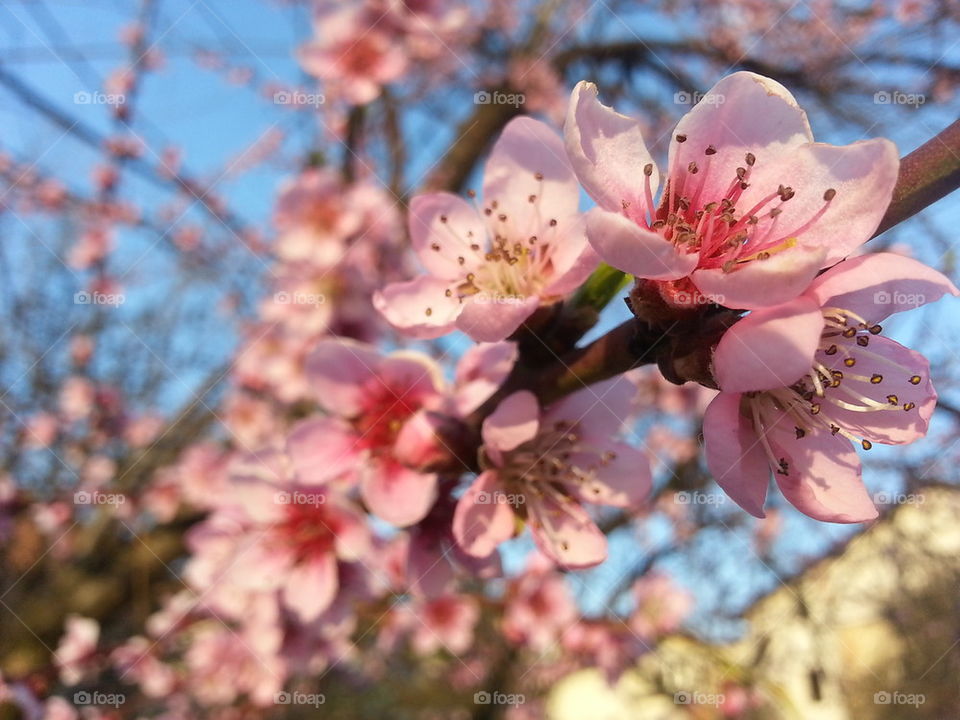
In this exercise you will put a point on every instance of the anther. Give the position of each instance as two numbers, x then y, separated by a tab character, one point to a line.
866	444
829	194
750	159
681	138
876	378
915	380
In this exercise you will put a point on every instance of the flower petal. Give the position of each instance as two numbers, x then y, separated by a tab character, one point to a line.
735	457
528	149
564	531
607	151
600	411
572	258
310	586
338	371
891	425
442	228
742	113
622	243
762	283
481	370
515	421
480	525
621	479
769	348
419	308
321	449
862	175
396	494
491	319
822	477
881	284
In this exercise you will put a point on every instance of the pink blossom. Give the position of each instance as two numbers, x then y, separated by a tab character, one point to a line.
314	218
369	398
539	607
489	269
222	666
76	647
661	606
443	623
280	537
802	380
352	53
542	464
752	208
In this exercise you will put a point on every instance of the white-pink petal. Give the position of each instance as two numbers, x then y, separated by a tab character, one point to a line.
769	348
515	421
607	151
623	244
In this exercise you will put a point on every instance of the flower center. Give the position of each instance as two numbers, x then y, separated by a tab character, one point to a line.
845	376
510	263
724	233
384	413
306	528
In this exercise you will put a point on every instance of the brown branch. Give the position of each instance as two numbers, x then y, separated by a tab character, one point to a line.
929	173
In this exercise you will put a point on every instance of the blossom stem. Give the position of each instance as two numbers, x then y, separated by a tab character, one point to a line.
927	174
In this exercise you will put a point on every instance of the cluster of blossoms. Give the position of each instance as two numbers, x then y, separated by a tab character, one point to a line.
363	484
362	46
806	371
